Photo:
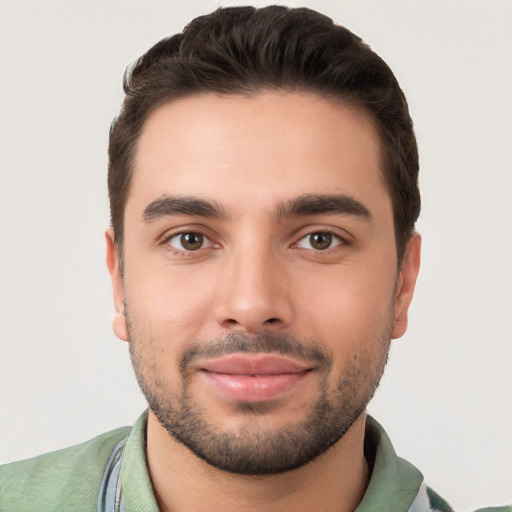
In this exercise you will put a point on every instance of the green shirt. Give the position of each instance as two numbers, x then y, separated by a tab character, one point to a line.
109	473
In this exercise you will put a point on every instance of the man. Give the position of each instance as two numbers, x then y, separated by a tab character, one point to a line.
263	191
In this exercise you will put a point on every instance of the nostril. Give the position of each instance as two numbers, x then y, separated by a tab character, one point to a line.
271	320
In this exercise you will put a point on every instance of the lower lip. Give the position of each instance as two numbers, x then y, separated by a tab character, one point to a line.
250	388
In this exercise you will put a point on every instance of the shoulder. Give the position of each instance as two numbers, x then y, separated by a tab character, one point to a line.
67	478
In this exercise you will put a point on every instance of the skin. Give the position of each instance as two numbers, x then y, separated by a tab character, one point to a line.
259	272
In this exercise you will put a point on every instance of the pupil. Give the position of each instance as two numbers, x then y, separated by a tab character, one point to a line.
192	241
321	240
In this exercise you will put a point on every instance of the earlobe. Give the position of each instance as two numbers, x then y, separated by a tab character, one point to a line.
119	322
405	284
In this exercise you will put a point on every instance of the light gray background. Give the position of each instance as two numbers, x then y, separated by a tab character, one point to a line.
445	398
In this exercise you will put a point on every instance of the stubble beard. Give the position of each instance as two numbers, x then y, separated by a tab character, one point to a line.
251	449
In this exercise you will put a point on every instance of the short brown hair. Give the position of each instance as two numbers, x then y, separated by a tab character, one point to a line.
241	50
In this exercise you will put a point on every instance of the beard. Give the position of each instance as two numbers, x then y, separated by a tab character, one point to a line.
253	447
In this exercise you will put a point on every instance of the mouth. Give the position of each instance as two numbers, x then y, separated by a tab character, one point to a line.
253	377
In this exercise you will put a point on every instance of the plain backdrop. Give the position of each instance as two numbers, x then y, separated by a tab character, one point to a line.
64	377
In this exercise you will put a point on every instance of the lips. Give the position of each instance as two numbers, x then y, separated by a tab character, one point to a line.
253	378
260	364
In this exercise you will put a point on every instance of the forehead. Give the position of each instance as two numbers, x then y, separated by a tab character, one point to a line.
242	150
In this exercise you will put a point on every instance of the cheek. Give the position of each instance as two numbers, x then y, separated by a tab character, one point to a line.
355	326
351	314
349	308
167	306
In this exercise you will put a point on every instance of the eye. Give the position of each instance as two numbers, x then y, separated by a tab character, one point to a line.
189	241
319	241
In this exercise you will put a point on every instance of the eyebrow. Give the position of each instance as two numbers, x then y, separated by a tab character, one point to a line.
173	205
310	204
314	204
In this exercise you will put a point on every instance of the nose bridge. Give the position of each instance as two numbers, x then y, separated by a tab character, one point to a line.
254	293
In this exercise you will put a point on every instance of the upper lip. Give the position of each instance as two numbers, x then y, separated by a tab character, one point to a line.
253	364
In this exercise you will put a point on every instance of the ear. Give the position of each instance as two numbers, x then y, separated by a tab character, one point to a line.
119	323
406	284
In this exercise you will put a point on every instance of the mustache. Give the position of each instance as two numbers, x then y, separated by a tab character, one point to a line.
265	342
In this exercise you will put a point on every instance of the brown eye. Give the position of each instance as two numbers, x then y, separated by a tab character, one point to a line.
188	241
319	241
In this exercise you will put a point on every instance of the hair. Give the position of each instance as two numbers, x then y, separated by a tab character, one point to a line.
243	50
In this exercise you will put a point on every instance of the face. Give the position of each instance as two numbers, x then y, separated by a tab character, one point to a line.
260	288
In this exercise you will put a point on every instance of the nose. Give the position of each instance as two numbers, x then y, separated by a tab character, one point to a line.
254	293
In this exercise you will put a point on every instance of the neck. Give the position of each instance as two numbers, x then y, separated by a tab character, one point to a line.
333	482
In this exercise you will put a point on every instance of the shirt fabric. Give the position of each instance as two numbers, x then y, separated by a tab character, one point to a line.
109	474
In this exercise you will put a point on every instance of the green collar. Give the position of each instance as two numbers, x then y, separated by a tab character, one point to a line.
135	482
394	482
